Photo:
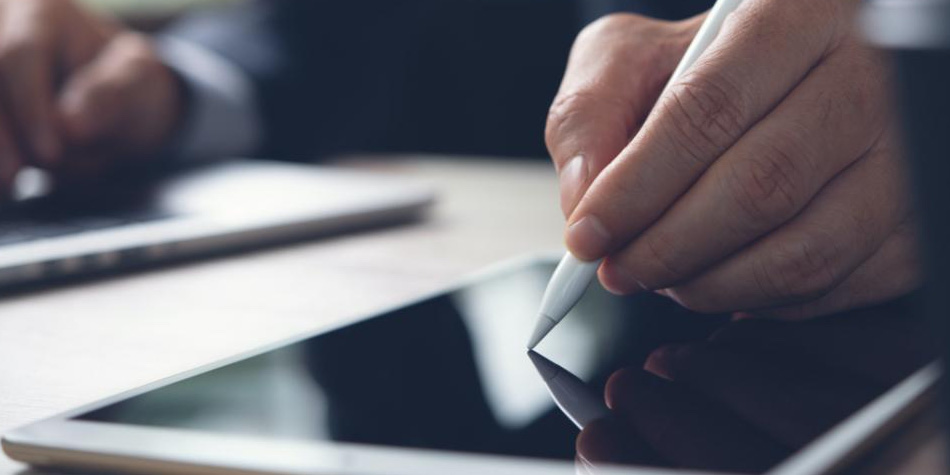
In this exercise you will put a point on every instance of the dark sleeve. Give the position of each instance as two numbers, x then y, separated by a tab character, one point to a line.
459	76
267	40
440	76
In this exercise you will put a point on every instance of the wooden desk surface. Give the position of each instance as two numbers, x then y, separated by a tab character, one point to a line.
68	346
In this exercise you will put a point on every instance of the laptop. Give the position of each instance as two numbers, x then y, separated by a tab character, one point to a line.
147	217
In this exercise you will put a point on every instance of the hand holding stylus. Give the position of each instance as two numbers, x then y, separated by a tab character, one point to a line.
767	179
572	276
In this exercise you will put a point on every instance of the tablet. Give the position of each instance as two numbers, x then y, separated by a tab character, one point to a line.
443	385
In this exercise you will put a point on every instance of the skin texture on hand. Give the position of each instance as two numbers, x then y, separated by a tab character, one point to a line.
78	92
769	179
755	391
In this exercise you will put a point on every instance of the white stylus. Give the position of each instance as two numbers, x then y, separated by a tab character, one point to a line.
573	276
578	402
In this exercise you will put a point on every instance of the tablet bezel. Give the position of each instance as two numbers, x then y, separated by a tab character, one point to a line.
60	441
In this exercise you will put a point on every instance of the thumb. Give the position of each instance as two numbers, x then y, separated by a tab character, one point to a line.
584	132
616	70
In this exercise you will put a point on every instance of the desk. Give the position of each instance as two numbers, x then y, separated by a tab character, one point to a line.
68	346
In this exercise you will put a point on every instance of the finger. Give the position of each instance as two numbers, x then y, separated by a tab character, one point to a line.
615	71
791	403
84	33
801	261
95	101
733	85
687	429
27	60
893	271
884	343
766	178
10	160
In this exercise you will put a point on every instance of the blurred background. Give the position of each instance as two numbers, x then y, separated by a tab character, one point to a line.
150	8
150	14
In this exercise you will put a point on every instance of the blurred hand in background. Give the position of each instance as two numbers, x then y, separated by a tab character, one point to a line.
78	91
768	179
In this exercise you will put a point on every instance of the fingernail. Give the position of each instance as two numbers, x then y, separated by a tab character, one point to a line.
589	236
45	146
573	177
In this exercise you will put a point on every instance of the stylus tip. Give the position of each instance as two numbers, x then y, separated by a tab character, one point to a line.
541	330
546	368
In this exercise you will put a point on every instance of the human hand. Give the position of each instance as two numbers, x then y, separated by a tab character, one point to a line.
755	391
769	178
78	91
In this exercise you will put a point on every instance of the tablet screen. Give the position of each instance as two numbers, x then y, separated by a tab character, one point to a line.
451	373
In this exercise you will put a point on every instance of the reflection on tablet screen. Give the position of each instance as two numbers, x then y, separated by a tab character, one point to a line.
698	391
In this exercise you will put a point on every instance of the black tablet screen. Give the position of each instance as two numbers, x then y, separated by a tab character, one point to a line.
451	372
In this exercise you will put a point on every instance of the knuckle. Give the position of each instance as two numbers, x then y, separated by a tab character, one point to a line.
707	113
132	62
565	113
799	270
768	187
136	50
136	43
560	112
606	25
